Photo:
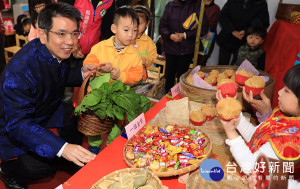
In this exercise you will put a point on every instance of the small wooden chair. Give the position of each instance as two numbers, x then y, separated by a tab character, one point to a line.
156	76
153	74
14	49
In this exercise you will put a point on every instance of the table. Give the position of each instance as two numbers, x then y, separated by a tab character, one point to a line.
282	45
107	162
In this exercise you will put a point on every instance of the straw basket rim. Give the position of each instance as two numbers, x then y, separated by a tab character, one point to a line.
112	175
183	76
172	172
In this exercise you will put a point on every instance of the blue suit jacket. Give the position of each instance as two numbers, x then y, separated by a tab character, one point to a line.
31	91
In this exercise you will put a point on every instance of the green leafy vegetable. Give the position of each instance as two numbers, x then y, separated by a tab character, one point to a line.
114	100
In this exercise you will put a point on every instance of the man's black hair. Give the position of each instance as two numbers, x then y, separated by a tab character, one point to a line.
52	10
125	11
257	30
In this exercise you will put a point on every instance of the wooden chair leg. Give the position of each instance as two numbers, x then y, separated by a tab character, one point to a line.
6	56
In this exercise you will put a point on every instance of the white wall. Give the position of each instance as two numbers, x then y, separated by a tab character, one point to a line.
272	7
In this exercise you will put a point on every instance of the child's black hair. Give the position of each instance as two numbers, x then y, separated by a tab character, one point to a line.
20	18
292	80
257	30
125	11
33	14
26	21
143	11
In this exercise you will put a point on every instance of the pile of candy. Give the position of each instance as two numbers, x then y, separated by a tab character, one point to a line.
164	149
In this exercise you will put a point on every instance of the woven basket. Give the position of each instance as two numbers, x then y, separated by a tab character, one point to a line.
208	96
172	171
284	10
112	177
196	181
89	123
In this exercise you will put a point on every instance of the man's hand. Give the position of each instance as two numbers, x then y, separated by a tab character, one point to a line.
262	106
115	73
77	154
107	67
87	69
77	51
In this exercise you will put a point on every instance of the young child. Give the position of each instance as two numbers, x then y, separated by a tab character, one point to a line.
252	50
144	43
119	58
26	24
35	7
117	53
19	27
278	137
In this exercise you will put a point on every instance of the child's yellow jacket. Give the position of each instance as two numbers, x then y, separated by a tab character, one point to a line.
128	60
147	49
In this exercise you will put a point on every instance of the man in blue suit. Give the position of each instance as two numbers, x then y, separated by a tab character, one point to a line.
31	92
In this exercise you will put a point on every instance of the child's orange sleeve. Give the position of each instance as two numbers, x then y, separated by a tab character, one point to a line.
91	58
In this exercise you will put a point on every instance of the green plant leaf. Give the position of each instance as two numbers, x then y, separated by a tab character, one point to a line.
105	88
98	81
118	112
100	113
117	86
109	111
144	101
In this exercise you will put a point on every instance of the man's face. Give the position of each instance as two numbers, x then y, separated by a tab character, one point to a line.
125	32
60	41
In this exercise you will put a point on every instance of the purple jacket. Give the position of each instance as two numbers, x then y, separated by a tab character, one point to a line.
176	12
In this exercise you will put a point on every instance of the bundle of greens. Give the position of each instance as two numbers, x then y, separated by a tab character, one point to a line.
114	100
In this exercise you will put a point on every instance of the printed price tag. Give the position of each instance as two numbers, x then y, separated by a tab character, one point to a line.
133	127
175	90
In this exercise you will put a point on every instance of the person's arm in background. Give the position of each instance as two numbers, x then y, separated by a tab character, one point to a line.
204	28
164	30
107	21
225	20
264	16
214	19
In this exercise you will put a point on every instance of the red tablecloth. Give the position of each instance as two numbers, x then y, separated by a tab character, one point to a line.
111	159
282	45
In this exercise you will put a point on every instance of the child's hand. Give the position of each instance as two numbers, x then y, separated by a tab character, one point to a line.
262	106
115	73
144	60
230	128
252	180
107	67
219	95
